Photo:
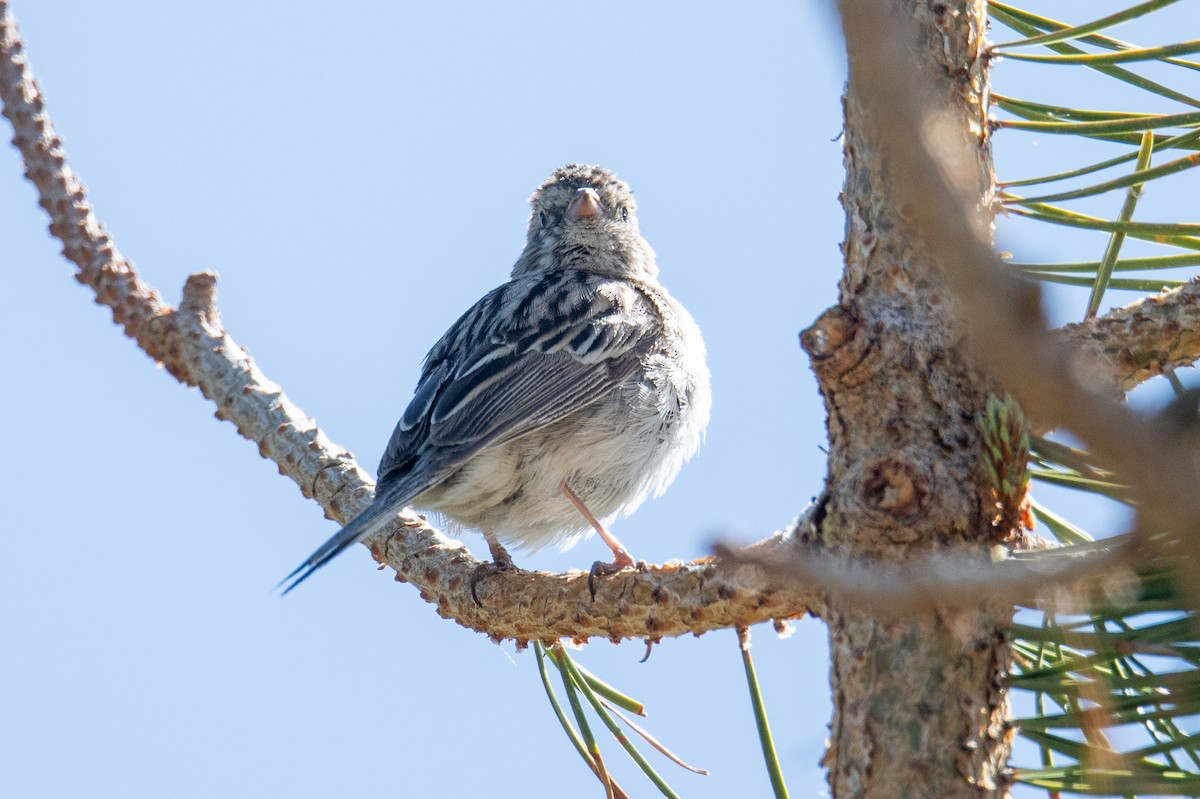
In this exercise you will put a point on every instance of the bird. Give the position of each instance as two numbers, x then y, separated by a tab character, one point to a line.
559	401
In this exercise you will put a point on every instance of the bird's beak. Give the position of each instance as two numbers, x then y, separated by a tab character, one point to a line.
586	205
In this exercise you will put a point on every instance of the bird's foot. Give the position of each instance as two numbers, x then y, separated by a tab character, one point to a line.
484	570
621	560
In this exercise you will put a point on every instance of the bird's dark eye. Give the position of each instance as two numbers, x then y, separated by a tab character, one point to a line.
542	218
624	214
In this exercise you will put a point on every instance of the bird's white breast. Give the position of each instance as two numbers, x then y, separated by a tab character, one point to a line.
614	454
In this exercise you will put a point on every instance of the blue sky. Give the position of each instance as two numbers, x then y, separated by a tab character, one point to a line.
357	174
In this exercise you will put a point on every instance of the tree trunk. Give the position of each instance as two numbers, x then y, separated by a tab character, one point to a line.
919	706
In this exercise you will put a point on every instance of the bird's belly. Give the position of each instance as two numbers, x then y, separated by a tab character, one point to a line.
613	455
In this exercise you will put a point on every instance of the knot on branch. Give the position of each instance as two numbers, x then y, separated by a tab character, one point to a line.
836	345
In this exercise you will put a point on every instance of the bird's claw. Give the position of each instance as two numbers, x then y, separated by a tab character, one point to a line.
488	569
602	569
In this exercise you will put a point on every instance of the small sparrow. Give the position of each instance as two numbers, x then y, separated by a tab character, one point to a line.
560	400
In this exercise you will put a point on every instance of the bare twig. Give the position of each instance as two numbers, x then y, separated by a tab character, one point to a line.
1049	578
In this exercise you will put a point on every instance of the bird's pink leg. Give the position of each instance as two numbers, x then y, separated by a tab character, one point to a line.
501	562
621	557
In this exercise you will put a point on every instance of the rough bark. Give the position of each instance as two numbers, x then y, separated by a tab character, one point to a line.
1141	340
933	176
919	707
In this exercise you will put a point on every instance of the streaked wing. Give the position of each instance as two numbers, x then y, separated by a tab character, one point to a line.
529	353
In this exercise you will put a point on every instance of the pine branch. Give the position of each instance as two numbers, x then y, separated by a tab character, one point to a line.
193	346
1142	339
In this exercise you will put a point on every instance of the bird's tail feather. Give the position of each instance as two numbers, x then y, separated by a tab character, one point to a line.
366	523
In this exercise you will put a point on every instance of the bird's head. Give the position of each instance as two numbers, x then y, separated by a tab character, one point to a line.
584	217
